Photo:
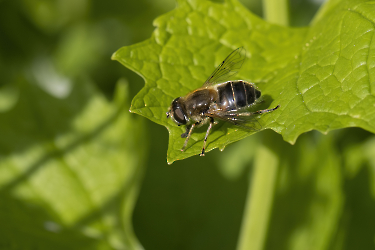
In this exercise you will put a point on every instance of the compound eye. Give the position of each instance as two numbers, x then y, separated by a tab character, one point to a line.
179	116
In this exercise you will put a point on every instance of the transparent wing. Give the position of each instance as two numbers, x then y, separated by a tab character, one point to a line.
229	67
243	119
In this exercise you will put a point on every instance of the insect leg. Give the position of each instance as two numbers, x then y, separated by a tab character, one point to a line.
266	110
207	133
188	136
233	115
184	135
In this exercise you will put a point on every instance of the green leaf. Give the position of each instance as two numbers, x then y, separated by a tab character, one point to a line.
322	76
69	170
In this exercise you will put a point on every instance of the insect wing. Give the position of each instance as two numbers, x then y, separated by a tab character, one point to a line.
229	67
243	119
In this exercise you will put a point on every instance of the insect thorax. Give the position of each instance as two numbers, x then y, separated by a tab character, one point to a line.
199	101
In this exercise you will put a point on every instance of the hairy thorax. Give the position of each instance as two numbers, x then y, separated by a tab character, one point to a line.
198	102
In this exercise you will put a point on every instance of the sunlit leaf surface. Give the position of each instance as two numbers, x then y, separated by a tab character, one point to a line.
69	170
322	76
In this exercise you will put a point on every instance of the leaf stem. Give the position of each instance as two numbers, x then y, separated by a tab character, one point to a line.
276	11
259	200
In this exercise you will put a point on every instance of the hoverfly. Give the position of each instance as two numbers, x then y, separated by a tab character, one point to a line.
216	99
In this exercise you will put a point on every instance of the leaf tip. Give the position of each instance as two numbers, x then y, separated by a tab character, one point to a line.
114	56
131	110
169	161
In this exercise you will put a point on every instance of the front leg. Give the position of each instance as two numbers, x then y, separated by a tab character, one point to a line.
207	133
190	129
183	135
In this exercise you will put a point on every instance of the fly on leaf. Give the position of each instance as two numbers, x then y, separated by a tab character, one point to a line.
219	100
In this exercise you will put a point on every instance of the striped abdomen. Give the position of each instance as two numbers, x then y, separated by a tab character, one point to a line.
236	94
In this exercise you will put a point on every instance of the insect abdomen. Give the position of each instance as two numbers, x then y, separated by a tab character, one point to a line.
236	94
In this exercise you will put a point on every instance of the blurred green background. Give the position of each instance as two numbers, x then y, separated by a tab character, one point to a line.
325	188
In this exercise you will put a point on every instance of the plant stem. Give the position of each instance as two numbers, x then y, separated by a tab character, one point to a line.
276	11
259	200
261	189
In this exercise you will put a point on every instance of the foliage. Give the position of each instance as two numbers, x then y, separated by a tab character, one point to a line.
78	171
321	75
80	165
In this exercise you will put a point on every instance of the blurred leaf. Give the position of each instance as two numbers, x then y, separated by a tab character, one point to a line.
238	157
309	199
70	170
369	151
79	50
357	229
321	75
8	97
51	16
359	155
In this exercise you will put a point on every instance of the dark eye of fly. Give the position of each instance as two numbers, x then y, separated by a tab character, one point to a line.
178	112
179	116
